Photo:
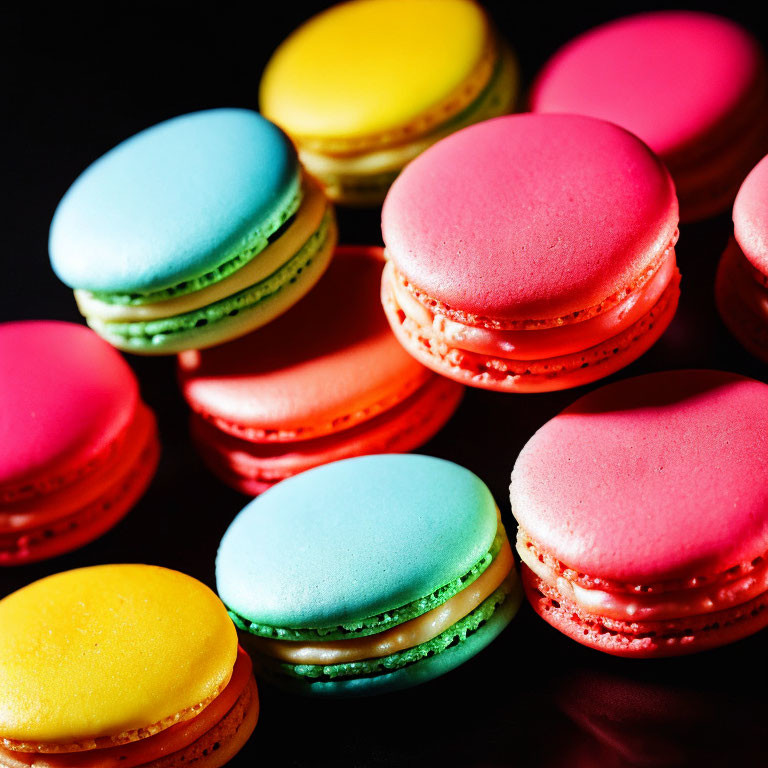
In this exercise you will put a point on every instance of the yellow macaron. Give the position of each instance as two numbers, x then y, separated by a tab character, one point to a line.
367	85
121	665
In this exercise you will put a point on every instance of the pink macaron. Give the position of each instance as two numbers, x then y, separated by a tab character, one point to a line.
741	287
643	514
78	447
531	253
326	381
692	85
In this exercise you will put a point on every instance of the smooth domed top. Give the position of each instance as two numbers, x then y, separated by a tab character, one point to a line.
367	66
98	651
529	217
750	216
352	539
657	477
66	396
171	202
329	357
670	77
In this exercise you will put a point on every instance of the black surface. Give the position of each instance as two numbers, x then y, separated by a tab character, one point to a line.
80	80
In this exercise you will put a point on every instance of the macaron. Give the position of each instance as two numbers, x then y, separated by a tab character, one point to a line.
368	575
741	287
78	447
191	233
531	253
326	381
121	665
365	86
656	75
643	514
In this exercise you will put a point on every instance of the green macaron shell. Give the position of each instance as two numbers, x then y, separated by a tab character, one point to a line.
159	334
381	622
455	633
238	256
453	655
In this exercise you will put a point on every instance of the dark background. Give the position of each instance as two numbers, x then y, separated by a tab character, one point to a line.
80	79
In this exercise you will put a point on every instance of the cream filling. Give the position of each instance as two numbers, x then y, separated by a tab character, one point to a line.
537	344
275	255
642	607
407	635
498	100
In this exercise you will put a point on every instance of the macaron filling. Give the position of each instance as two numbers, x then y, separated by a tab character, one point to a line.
404	641
700	596
156	332
548	342
232	259
231	707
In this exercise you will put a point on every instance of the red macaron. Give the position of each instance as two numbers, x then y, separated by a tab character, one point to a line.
326	381
741	287
78	447
643	514
531	253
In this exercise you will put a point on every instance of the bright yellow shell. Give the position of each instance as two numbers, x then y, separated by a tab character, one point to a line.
98	651
367	66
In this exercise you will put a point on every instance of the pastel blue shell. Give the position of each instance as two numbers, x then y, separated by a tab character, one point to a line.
352	539
169	203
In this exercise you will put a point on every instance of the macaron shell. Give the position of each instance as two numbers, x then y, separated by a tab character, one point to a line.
420	672
368	67
529	217
682	454
170	203
353	539
330	363
750	217
67	397
670	91
252	468
101	651
742	301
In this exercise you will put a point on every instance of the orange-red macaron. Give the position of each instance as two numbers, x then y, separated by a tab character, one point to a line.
326	381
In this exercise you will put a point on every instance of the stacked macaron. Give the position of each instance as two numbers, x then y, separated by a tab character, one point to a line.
78	447
741	289
643	512
368	575
326	381
657	75
192	232
367	85
121	665
531	253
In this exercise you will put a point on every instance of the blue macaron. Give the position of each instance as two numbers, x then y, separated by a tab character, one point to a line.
369	574
191	232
